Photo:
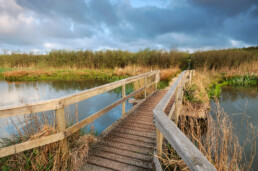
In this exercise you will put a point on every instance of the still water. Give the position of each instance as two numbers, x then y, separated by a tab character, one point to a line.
237	102
16	93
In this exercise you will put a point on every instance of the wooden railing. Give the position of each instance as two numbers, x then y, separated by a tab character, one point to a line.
166	128
59	104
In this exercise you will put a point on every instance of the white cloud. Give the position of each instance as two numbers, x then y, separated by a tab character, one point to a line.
238	43
50	45
128	25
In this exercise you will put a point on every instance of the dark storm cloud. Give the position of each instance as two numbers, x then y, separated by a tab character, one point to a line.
128	24
225	7
76	10
103	11
153	21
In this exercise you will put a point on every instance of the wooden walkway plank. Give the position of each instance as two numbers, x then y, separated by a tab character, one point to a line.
130	145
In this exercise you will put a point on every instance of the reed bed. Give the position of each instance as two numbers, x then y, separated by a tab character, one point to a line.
231	61
215	136
96	59
47	157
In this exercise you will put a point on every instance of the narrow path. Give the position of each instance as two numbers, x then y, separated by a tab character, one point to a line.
130	145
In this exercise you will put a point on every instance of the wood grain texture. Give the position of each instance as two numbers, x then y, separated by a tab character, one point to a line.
194	159
123	96
163	103
130	144
156	162
61	125
17	148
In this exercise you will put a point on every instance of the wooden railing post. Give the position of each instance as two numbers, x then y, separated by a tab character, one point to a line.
178	99
123	96
176	105
159	139
157	80
60	118
145	90
190	77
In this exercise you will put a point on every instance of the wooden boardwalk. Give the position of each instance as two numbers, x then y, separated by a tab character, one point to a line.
131	142
130	145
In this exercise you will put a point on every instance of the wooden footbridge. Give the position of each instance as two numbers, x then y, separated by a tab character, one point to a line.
135	140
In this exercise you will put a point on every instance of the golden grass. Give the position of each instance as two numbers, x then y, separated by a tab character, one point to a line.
48	157
243	69
201	81
131	70
227	60
80	151
167	74
215	136
216	139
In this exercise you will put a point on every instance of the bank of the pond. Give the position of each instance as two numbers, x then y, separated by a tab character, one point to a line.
63	74
107	75
205	86
214	90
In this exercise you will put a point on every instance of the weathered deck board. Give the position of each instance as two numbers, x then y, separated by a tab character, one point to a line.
130	145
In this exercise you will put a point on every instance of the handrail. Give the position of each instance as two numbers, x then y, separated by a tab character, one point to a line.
59	104
66	100
194	159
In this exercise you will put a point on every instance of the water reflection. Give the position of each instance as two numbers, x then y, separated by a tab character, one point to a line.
16	93
233	93
239	102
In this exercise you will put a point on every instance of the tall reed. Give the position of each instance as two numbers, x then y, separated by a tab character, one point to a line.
242	60
217	140
47	157
96	59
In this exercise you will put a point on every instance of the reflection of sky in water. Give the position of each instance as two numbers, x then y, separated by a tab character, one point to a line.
236	101
27	92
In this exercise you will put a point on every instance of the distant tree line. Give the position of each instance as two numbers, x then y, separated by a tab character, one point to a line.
230	58
97	59
212	59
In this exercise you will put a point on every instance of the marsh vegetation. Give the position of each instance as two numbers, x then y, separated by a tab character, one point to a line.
214	69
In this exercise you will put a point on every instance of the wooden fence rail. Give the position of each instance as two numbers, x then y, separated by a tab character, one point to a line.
59	104
166	128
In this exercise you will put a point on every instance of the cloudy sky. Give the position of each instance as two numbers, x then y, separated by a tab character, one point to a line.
42	25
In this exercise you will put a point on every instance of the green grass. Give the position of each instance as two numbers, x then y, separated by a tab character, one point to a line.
189	94
61	75
163	84
2	70
243	81
237	81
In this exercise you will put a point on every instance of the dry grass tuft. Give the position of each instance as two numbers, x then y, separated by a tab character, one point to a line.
215	136
80	151
167	74
217	140
48	157
131	70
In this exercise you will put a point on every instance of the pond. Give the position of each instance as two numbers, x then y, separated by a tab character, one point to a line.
15	93
239	102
